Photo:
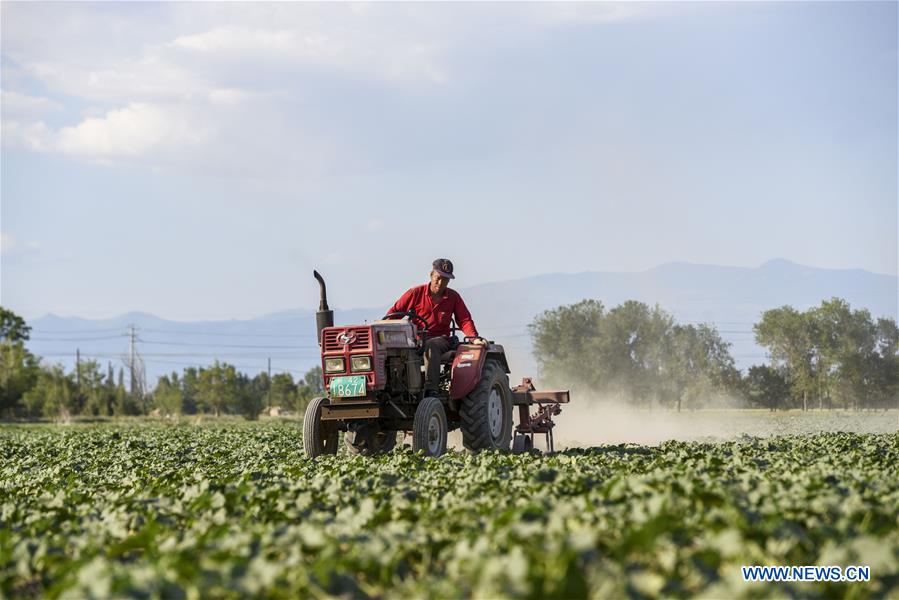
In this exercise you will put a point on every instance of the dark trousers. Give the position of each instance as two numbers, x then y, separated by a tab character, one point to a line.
434	348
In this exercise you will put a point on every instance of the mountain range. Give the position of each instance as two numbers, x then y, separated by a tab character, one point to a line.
731	298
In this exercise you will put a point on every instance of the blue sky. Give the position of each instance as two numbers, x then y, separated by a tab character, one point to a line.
198	160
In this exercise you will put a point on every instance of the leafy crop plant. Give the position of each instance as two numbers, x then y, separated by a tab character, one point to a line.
236	510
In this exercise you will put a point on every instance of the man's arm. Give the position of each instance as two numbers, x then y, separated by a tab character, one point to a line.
463	318
404	303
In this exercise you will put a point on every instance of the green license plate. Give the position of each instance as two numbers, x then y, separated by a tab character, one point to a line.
347	387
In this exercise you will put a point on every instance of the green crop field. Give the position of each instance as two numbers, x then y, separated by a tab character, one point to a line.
236	510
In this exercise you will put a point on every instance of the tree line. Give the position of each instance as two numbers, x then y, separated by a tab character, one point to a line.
828	356
30	389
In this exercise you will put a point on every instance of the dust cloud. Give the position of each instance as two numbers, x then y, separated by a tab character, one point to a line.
589	420
594	420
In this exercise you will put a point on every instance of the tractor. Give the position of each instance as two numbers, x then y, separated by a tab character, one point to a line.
373	376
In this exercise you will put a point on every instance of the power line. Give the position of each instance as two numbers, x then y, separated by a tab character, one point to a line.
719	322
190	354
76	331
182	364
224	345
274	335
83	339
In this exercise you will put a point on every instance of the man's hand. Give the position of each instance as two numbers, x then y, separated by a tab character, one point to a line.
479	341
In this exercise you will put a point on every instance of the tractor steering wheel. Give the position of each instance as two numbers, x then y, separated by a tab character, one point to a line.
413	316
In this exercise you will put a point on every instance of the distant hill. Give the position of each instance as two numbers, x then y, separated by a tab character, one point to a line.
732	298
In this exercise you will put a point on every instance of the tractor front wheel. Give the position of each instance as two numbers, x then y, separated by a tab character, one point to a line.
319	437
367	439
429	428
487	411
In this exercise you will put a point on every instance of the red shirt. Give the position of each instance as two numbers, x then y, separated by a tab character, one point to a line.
437	314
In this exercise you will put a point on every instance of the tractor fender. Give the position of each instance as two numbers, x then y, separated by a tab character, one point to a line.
467	366
498	353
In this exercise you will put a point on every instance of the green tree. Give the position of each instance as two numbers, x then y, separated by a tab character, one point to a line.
284	391
19	372
261	386
90	393
314	380
767	387
563	338
885	370
833	353
787	335
633	352
168	395
53	394
631	346
190	385
218	388
251	396
698	366
124	402
109	390
13	327
841	344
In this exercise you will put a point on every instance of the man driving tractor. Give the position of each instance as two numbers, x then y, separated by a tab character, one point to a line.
375	389
436	304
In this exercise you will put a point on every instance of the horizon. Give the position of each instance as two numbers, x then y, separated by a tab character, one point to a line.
312	306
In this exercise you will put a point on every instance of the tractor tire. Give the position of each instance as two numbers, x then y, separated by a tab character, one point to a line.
367	439
319	437
487	411
429	428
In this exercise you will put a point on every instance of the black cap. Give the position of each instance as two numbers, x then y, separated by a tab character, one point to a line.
444	268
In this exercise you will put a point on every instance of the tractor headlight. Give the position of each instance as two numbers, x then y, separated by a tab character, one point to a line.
360	363
334	365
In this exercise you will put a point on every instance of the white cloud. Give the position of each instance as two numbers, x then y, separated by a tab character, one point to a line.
237	40
369	52
132	131
229	96
15	104
101	53
374	225
34	135
118	81
137	130
248	87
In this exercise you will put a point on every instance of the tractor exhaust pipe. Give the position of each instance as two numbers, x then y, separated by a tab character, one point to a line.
325	316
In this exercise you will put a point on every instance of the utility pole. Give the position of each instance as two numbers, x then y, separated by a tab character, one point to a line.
78	397
131	359
269	385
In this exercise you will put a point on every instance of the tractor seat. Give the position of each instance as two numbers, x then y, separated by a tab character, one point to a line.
447	357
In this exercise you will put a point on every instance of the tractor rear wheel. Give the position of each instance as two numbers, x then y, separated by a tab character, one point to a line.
367	439
487	411
319	437
429	427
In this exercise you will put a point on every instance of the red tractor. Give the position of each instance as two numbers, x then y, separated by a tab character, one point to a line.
375	389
